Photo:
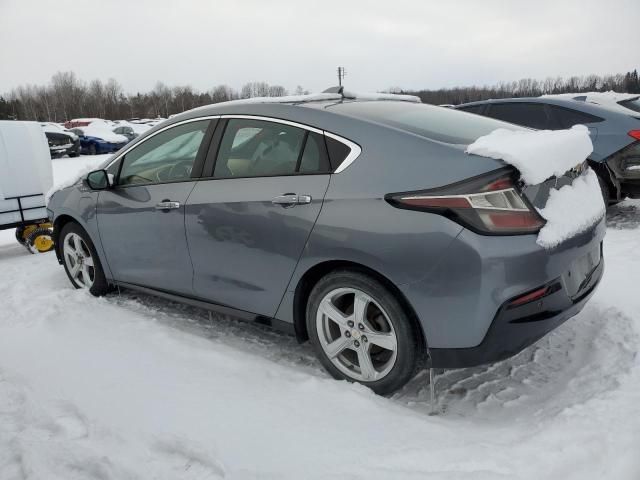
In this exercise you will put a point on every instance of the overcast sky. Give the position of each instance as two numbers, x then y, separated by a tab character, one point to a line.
405	43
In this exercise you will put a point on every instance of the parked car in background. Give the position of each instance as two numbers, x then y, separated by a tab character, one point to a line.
98	138
61	141
358	224
621	101
130	130
152	122
80	122
615	133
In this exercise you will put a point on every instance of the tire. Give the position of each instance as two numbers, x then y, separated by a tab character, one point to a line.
384	318
74	154
92	149
40	240
75	236
20	236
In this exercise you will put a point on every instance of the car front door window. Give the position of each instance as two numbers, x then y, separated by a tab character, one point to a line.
166	157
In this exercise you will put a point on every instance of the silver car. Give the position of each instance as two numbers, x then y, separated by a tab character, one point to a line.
338	220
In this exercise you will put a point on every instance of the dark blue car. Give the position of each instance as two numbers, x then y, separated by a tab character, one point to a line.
95	141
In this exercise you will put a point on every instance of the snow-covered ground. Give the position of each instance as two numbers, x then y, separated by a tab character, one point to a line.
133	387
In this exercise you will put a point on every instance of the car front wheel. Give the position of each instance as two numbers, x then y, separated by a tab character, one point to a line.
81	260
362	333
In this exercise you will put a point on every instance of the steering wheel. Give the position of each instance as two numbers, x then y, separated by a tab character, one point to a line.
180	170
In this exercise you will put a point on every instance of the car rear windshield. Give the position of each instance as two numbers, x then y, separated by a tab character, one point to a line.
633	104
436	123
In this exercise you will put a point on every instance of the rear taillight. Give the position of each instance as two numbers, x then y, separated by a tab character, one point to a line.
490	204
635	134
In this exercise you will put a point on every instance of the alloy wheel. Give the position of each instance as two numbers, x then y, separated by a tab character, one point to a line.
78	260
356	334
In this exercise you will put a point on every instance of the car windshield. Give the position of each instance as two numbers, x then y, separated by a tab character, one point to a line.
437	123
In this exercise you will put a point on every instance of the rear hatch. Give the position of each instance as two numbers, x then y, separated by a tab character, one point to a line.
539	194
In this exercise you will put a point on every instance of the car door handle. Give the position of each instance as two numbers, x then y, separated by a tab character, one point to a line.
167	205
291	199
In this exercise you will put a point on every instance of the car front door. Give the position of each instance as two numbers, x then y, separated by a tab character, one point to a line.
247	224
141	219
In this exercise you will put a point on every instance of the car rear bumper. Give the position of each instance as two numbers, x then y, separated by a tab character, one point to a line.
515	328
462	303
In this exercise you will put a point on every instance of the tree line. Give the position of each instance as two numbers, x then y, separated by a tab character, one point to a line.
66	96
528	87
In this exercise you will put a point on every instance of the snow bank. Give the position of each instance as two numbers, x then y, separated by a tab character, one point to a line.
571	210
537	154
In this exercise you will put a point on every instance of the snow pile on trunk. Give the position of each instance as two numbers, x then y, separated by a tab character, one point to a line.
537	154
571	210
540	155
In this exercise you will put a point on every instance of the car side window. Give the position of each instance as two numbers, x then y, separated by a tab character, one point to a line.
166	157
257	148
567	117
314	156
531	115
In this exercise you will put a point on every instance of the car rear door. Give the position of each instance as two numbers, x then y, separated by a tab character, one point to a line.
247	224
141	219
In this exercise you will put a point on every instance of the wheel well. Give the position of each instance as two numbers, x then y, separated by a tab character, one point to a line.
603	172
58	225
314	274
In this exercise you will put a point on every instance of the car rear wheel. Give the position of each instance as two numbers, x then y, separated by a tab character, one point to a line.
361	332
81	260
92	149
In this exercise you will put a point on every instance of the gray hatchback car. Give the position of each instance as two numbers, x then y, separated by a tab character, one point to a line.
337	219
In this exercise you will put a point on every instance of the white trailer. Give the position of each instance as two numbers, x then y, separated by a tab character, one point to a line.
26	176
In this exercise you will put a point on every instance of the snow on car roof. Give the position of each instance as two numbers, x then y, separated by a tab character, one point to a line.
608	99
326	96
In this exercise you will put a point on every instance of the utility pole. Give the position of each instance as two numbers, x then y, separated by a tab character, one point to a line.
341	75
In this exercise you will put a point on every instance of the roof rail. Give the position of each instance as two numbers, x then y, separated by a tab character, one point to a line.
371	96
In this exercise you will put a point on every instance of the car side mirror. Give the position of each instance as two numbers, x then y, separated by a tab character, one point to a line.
99	180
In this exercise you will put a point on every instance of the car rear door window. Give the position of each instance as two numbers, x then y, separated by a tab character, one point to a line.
532	115
166	157
260	148
567	118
